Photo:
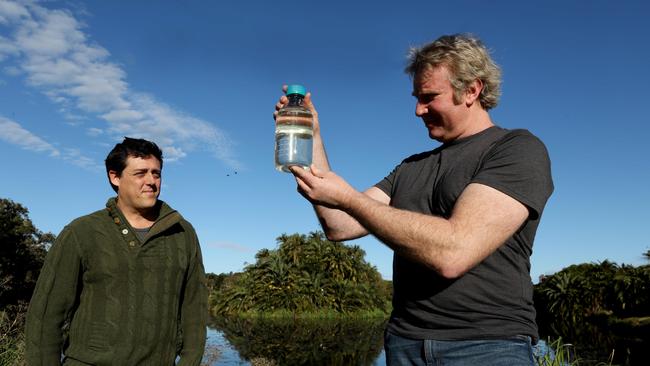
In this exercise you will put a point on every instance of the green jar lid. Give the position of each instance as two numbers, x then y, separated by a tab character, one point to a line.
296	89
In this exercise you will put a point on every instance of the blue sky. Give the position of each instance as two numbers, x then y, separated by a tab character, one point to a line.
201	79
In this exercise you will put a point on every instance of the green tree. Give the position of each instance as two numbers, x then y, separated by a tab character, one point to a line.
22	252
568	301
305	273
215	281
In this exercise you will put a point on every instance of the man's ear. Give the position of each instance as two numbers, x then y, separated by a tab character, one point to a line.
473	92
114	177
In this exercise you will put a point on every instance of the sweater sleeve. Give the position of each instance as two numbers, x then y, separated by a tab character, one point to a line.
53	301
194	310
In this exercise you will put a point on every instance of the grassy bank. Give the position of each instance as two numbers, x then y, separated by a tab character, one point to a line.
315	315
12	338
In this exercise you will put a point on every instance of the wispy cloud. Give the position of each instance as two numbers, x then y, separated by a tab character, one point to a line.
15	134
94	131
12	132
56	57
6	48
231	246
11	70
76	157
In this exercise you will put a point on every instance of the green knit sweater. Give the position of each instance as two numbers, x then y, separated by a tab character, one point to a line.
106	298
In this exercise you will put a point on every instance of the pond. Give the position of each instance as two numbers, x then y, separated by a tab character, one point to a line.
338	342
275	342
595	346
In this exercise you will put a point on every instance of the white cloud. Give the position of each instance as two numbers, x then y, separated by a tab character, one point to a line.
173	153
58	59
12	71
94	131
15	134
123	115
7	48
75	156
10	11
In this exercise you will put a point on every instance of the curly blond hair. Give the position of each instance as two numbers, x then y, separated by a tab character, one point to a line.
466	58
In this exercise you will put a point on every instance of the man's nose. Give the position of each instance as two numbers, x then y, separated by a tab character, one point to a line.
420	109
150	179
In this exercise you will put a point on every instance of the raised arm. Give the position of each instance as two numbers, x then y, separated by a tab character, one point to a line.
337	224
482	219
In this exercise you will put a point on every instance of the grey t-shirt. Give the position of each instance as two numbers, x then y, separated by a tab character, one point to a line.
493	299
142	233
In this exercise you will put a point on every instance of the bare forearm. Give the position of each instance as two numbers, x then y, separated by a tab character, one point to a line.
482	220
422	238
337	224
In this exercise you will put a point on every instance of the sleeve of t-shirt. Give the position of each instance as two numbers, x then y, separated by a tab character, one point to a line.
518	165
386	184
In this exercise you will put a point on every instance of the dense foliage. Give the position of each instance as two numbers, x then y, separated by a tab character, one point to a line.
578	293
22	251
600	307
306	273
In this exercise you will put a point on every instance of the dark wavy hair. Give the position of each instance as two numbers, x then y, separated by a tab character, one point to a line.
139	148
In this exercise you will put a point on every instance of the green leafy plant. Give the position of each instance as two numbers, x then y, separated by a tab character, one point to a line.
306	273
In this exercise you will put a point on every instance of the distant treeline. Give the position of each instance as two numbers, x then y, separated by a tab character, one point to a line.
594	294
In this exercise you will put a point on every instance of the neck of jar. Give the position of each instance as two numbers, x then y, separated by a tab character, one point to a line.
295	99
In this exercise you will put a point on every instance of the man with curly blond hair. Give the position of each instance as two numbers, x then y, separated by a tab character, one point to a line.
461	218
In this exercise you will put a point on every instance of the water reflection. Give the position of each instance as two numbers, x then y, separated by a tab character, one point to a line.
594	346
300	341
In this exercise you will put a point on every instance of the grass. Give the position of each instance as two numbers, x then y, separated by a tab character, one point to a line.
315	315
559	354
12	338
564	354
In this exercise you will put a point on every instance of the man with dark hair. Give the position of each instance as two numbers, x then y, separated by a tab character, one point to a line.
137	148
124	285
460	219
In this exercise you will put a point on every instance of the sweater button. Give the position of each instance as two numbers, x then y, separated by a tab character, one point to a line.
116	220
131	243
125	231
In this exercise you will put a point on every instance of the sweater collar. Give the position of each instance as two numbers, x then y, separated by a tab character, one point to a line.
167	216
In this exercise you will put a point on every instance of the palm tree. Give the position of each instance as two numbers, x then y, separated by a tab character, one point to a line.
306	273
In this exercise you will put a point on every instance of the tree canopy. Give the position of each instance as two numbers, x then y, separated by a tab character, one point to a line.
306	273
22	252
569	299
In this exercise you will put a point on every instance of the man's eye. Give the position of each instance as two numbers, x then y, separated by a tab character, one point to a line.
426	98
